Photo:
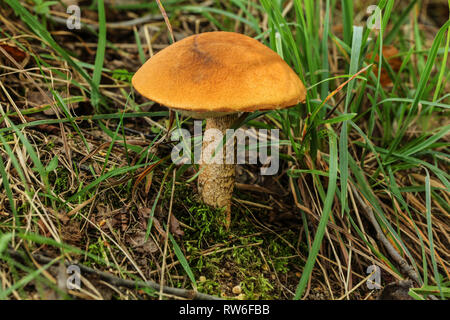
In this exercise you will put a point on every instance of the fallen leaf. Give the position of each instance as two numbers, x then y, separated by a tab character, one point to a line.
37	100
138	242
48	128
63	218
175	227
16	53
390	54
43	228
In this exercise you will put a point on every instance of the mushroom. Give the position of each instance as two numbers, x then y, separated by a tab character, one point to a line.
214	76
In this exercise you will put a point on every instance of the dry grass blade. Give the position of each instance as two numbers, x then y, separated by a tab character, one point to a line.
166	20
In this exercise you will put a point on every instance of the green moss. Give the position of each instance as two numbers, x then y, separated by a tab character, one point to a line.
209	286
59	180
258	287
97	249
227	258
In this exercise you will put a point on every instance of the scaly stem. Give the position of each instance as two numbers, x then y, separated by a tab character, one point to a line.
216	180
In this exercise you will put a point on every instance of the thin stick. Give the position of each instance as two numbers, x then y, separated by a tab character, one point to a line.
115	281
86	24
404	266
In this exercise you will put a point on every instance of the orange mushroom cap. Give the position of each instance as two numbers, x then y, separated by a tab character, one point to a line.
219	72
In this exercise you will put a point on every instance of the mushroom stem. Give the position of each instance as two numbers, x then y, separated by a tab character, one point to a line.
216	180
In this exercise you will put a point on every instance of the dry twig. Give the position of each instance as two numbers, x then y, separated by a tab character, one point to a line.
404	266
115	281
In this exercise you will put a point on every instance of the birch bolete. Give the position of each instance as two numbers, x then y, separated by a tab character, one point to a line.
215	76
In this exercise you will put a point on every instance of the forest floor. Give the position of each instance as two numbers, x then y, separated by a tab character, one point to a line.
86	176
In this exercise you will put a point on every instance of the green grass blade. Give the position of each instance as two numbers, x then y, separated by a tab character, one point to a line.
328	203
184	263
100	53
343	139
